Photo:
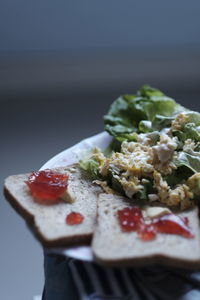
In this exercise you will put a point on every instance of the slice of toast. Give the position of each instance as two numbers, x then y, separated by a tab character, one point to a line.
112	247
48	221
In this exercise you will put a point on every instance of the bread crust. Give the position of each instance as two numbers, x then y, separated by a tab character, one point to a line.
150	260
30	219
17	194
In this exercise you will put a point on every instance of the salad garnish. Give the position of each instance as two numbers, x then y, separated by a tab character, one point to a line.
155	152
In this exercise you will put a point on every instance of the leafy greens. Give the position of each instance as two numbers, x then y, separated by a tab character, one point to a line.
146	111
153	118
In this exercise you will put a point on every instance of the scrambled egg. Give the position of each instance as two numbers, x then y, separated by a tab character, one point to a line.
194	183
139	161
189	145
180	120
180	195
104	186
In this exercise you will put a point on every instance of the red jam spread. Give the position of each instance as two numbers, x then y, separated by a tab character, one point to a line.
131	219
172	224
74	218
146	232
47	186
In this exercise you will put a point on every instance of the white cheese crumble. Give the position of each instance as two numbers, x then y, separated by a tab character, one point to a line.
153	197
163	153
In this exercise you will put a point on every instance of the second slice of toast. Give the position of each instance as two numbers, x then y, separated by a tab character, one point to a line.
113	247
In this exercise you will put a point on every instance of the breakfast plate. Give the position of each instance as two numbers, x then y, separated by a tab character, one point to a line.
68	157
158	161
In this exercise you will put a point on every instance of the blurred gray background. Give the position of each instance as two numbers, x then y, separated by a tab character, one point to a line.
61	65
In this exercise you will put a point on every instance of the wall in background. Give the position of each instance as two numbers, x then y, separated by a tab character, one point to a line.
50	25
69	47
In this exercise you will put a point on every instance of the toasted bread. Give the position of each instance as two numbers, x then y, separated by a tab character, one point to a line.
48	221
112	247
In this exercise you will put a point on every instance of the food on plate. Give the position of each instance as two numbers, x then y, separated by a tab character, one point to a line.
115	247
74	218
49	221
47	186
133	219
155	153
137	199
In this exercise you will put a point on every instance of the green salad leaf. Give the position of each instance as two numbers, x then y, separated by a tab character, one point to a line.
191	129
147	111
147	188
178	176
91	166
119	122
153	121
113	182
188	160
193	117
114	146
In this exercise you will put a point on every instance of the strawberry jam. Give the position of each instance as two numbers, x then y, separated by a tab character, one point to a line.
74	218
146	232
131	219
47	186
172	224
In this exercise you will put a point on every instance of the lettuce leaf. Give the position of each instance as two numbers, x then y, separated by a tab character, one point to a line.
191	129
113	182
114	145
130	113
188	160
147	188
193	117
119	122
91	166
178	176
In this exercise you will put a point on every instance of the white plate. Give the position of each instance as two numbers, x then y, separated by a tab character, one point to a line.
68	157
